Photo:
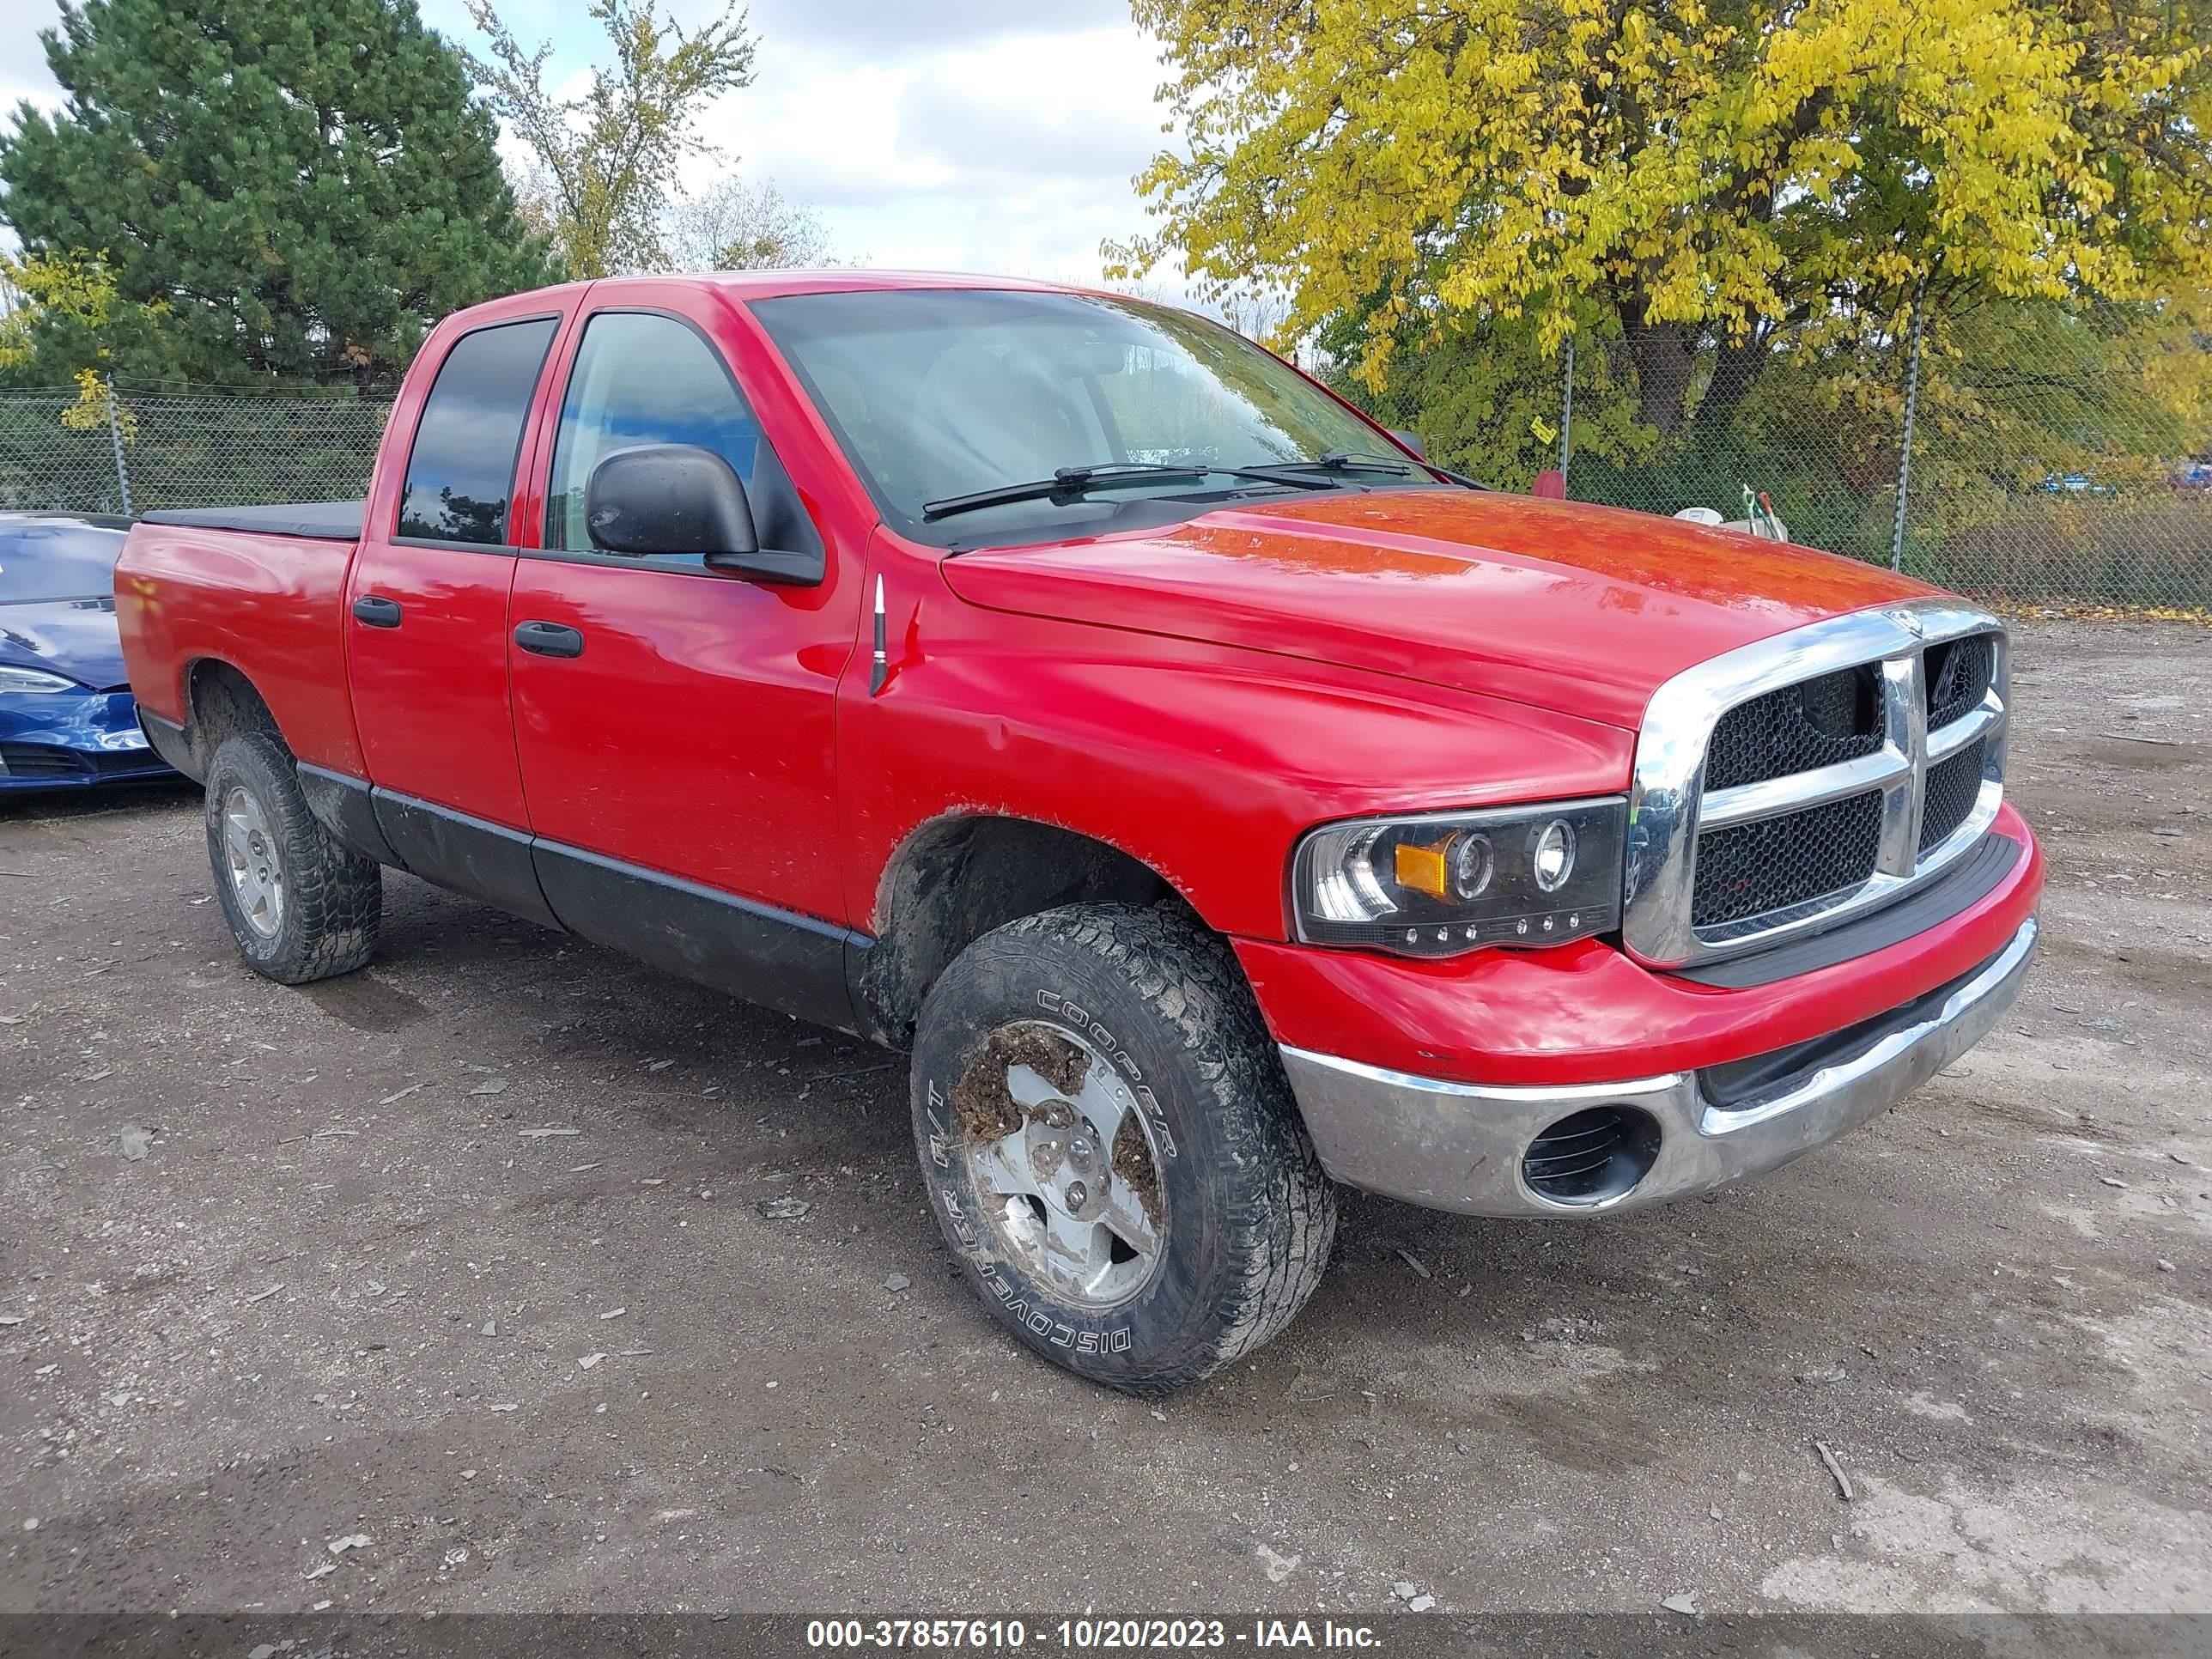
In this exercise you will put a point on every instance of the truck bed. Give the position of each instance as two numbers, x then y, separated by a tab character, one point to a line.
256	591
335	522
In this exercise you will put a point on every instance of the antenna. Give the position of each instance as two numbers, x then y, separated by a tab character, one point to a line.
880	668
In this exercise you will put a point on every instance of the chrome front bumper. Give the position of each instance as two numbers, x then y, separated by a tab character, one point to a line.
1459	1146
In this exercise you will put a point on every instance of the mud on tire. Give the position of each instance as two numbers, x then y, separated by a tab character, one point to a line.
1163	1022
329	901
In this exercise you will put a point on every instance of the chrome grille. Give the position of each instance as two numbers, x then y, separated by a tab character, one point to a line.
1811	777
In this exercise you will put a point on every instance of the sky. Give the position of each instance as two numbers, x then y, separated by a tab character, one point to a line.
996	135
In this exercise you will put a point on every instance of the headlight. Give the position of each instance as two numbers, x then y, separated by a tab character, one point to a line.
33	679
1447	882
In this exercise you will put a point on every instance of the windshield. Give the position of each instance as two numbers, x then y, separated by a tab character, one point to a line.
939	393
54	559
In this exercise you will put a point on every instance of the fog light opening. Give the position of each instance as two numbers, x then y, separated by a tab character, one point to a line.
1592	1156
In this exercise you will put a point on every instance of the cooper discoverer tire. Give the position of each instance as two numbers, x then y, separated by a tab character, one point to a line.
1111	1148
301	906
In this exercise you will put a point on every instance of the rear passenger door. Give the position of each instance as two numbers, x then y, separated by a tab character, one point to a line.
426	623
677	737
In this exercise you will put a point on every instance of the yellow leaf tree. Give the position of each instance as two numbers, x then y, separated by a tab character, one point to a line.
1700	185
56	292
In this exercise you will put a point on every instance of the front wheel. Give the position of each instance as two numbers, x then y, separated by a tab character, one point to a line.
1111	1148
301	906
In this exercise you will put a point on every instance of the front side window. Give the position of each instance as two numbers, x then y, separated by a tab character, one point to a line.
641	377
460	472
939	393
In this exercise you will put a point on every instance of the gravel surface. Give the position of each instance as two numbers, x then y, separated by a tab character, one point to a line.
474	1281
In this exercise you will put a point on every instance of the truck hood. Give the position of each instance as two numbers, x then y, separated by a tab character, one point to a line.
1583	609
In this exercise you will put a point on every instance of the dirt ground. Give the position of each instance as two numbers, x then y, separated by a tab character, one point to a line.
463	1257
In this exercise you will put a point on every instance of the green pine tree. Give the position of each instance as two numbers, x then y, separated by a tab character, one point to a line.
280	189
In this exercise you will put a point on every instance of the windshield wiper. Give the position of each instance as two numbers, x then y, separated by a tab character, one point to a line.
1073	482
1399	466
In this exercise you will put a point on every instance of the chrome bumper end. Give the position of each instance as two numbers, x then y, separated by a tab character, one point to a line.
1459	1146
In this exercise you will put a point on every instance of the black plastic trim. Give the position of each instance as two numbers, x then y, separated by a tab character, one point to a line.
375	610
546	639
346	807
1974	878
485	860
1741	1080
172	743
322	521
497	550
792	963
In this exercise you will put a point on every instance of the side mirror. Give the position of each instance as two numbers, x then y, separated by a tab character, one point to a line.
1412	441
678	498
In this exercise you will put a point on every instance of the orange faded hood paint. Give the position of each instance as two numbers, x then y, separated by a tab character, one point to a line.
1579	609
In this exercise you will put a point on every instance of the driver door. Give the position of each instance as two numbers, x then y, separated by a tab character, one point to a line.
674	721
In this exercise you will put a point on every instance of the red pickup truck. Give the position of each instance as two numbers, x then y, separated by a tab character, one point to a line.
1219	801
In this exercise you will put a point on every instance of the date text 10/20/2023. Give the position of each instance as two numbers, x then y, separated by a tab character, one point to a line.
1087	1635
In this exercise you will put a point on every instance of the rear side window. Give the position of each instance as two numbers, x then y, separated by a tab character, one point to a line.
460	473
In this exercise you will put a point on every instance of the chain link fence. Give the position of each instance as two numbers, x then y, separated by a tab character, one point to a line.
2023	460
118	450
2053	477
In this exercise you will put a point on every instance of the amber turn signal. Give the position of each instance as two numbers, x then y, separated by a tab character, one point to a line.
1422	868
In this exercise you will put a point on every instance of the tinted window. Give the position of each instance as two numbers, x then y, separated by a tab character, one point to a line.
54	559
936	393
642	379
461	470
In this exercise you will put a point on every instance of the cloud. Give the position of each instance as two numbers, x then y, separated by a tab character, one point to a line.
23	72
875	28
1011	152
979	135
1017	108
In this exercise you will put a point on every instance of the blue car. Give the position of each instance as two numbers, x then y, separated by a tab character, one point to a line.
67	717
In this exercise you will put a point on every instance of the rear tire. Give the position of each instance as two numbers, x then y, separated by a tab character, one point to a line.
301	906
1111	1148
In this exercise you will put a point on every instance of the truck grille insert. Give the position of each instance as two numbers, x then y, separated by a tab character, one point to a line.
1954	786
1793	865
1817	722
1749	869
1959	673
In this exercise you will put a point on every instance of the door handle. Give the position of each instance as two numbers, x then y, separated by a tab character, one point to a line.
376	610
545	638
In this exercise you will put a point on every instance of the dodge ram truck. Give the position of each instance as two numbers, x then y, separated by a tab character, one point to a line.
1219	802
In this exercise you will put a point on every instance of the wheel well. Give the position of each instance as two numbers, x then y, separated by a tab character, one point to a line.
220	700
956	879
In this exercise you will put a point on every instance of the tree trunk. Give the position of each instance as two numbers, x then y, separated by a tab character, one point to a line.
1666	359
1736	369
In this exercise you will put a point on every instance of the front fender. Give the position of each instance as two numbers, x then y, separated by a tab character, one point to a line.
1205	763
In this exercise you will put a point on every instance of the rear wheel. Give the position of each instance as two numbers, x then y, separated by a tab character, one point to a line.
1111	1148
301	906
